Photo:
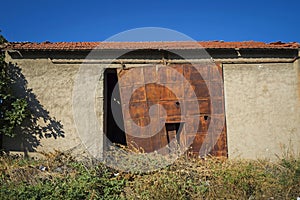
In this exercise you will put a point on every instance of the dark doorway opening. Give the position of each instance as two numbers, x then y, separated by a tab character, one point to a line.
173	131
114	132
1	138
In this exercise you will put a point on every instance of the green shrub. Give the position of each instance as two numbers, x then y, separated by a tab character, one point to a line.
73	180
13	110
62	177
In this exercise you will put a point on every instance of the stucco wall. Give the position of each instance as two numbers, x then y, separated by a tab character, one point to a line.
262	109
262	105
49	89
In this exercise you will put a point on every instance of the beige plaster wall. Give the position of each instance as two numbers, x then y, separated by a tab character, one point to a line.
262	109
262	104
52	85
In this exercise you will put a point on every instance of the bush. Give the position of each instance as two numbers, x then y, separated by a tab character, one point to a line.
60	176
57	177
13	110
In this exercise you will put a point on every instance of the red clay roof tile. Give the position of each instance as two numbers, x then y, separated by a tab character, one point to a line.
150	45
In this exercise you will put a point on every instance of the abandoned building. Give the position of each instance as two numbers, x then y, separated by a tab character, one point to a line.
248	93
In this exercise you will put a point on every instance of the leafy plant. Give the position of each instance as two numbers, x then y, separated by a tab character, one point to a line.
67	178
13	110
58	176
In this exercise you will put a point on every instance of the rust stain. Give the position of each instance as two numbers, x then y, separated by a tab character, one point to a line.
170	99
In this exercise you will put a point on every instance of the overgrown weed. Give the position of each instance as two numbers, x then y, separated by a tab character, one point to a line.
60	176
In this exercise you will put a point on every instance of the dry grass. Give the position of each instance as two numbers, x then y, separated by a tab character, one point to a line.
220	179
213	178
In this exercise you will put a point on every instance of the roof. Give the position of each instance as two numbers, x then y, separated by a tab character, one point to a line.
73	46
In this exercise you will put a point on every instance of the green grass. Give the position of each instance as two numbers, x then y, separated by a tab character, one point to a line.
66	178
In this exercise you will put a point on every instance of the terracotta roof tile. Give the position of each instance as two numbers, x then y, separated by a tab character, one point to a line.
149	45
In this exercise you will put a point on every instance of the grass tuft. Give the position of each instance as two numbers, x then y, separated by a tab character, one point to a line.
60	176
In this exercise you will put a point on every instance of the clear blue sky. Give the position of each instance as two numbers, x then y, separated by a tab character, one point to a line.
86	20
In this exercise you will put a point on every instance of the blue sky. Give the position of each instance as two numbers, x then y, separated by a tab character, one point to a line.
87	20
